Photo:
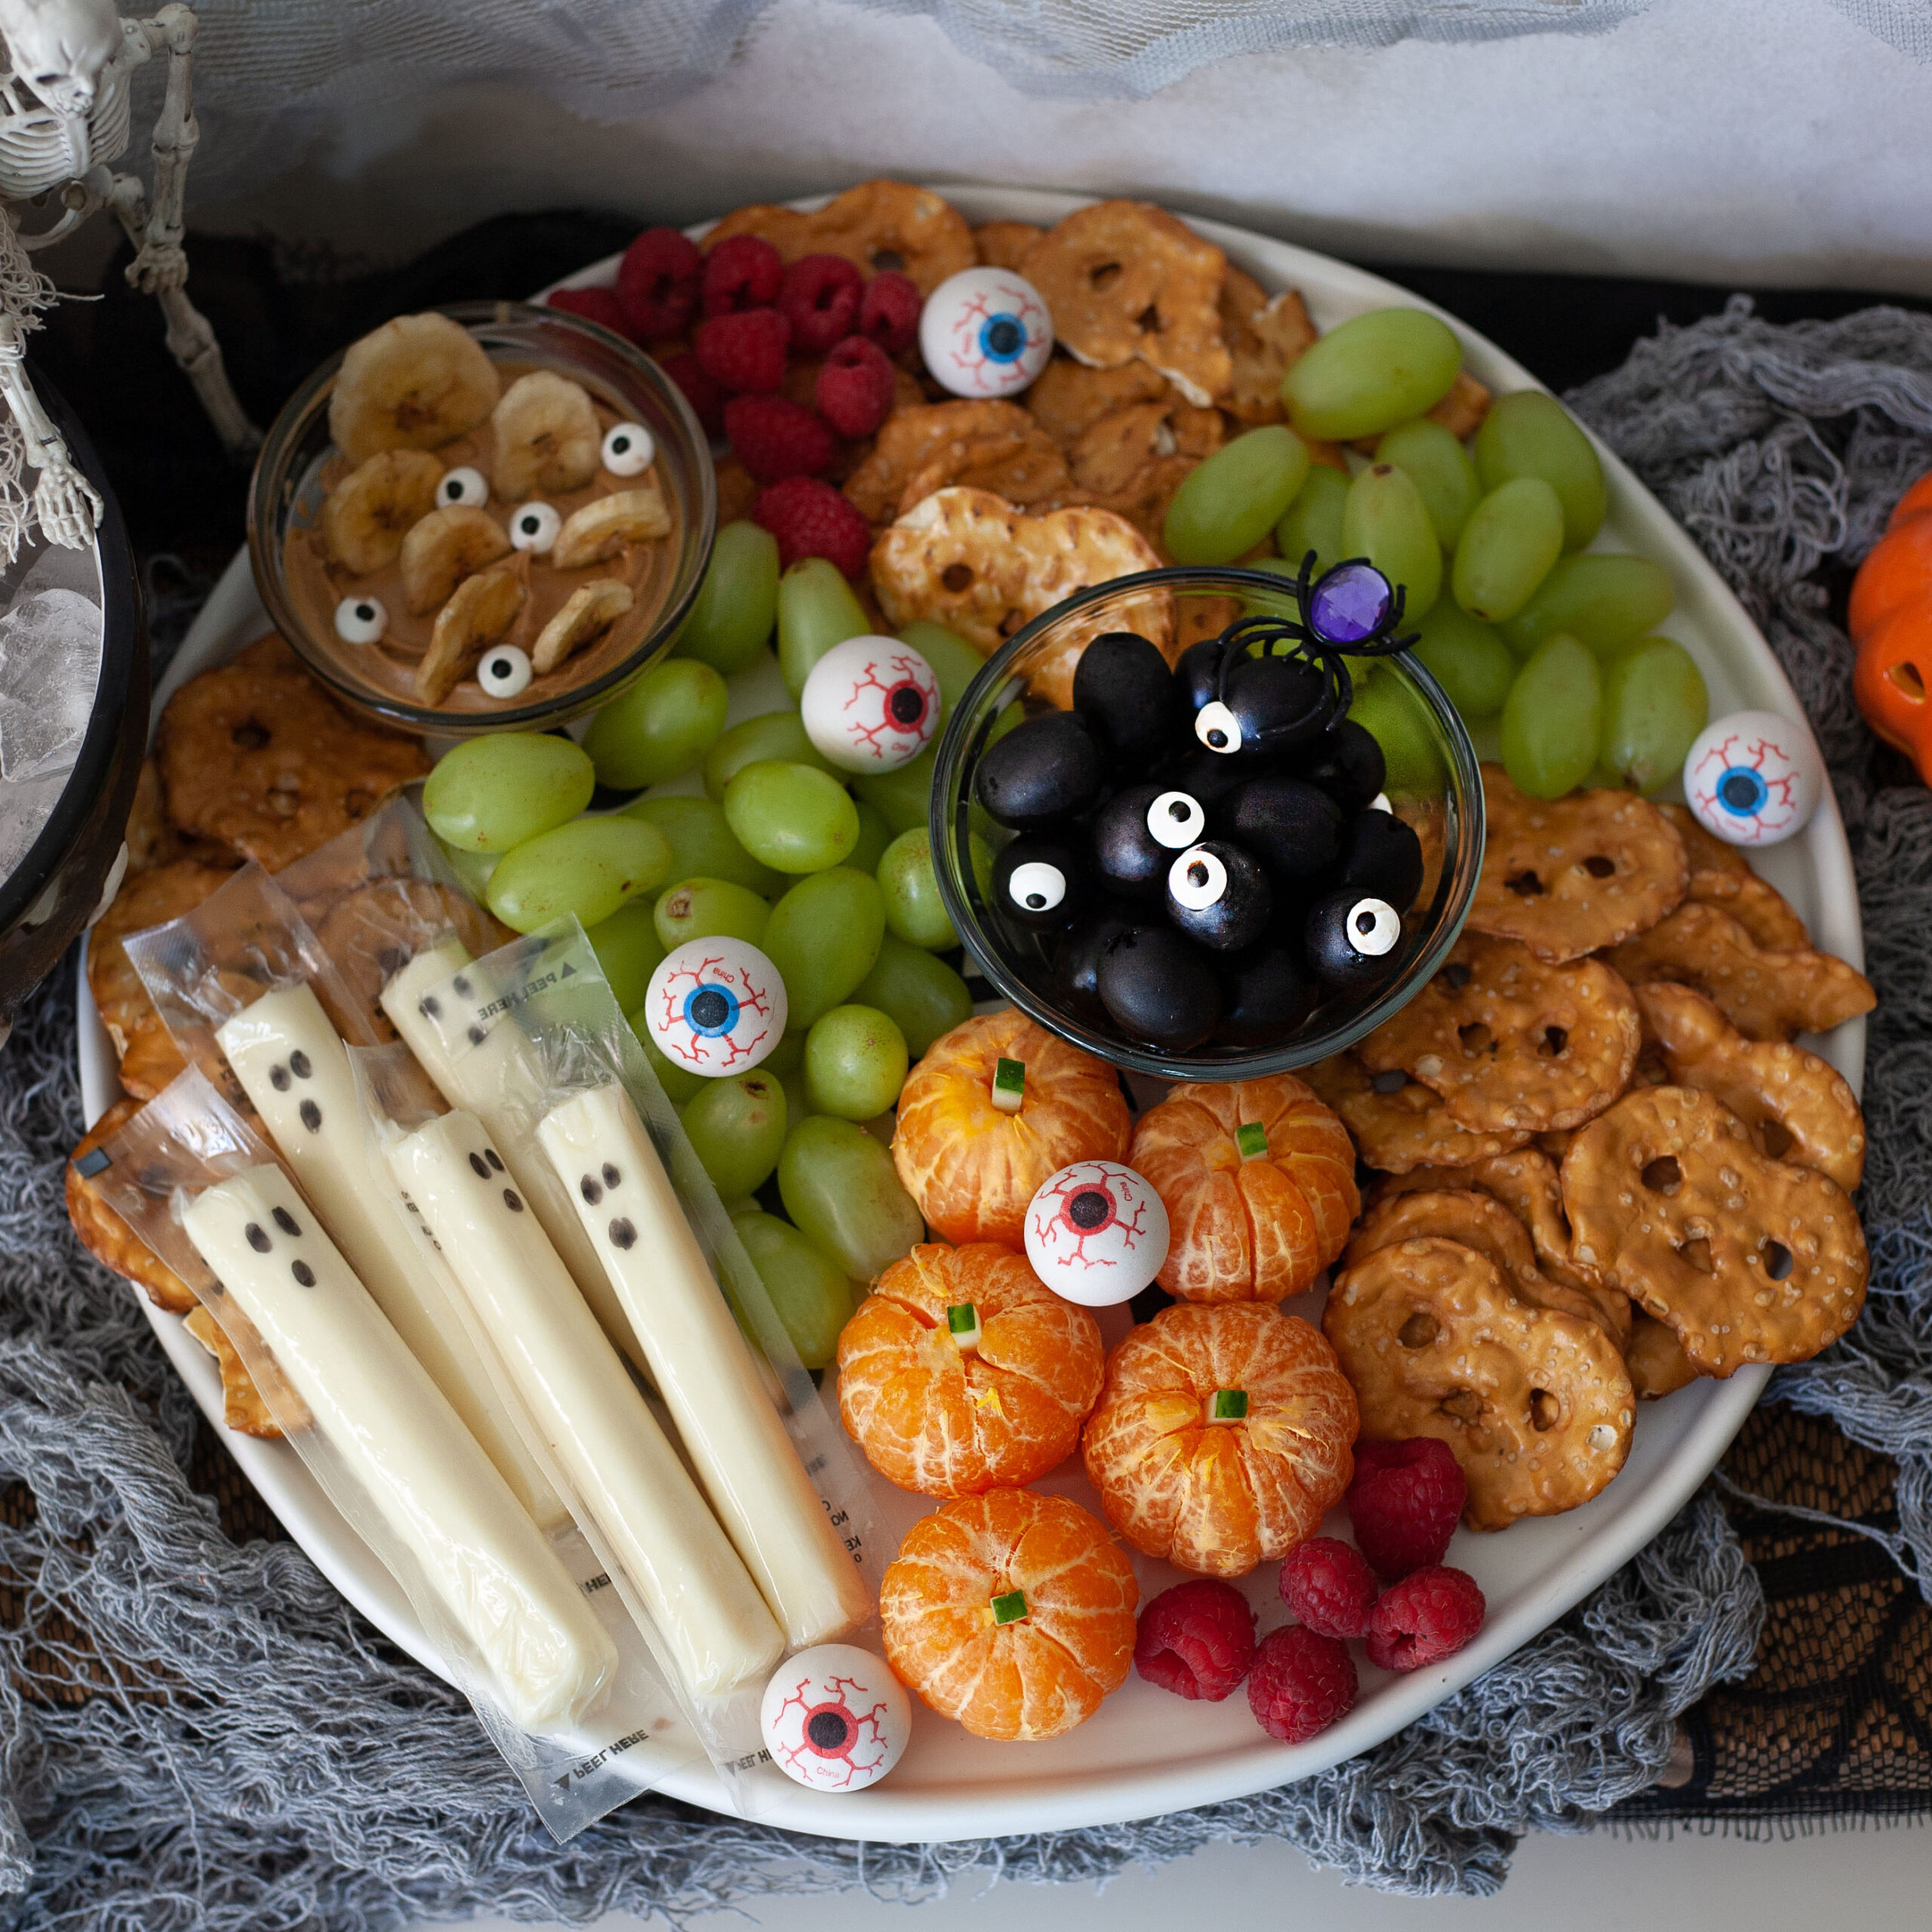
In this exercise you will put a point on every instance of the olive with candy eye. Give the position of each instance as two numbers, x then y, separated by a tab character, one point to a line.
1040	883
1198	674
1381	854
1350	936
1346	761
1160	987
1218	895
1077	961
1263	704
1123	688
1137	832
1266	993
1046	768
1293	829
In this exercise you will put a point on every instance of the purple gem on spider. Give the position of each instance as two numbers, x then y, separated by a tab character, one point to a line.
1349	604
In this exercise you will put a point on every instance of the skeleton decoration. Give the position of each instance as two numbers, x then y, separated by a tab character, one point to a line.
64	118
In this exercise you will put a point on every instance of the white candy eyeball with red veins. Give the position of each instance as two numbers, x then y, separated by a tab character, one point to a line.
870	704
1753	778
985	332
1097	1233
715	1007
836	1718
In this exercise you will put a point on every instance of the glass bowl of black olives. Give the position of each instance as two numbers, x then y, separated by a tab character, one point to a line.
1235	824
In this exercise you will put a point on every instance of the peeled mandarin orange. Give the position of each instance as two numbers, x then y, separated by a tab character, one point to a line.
1258	1178
972	1168
960	1371
1223	1436
1012	1612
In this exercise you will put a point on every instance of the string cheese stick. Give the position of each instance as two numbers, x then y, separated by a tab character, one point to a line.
626	1475
375	1404
702	1367
293	1067
497	1066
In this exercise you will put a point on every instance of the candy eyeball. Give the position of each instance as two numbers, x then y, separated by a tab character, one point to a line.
1176	820
1039	882
361	619
534	527
870	704
463	485
985	332
1753	778
834	1718
1097	1233
628	449
715	1007
1218	727
1199	878
504	670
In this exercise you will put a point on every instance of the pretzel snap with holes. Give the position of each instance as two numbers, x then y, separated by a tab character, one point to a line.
1397	1123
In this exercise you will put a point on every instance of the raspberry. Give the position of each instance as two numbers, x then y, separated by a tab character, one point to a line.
657	284
595	305
775	439
745	353
855	388
700	391
819	297
1404	1504
811	519
1327	1584
1429	1615
1301	1683
743	272
1196	1640
889	311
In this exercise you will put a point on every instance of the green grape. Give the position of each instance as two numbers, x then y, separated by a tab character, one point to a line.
779	734
823	938
1654	704
738	602
924	996
838	1186
855	1062
701	844
1605	601
955	663
679	1083
914	911
1529	434
473	867
1370	373
1314	521
489	794
815	610
874	835
792	817
1439	467
628	949
1511	540
709	908
812	1299
1229	501
737	1131
1467	658
1386	520
1391	709
660	728
786	1063
902	798
589	867
1552	718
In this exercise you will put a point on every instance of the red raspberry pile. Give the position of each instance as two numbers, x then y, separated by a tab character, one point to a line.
747	316
1198	1639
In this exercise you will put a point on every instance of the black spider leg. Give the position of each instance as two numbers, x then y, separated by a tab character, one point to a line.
1338	689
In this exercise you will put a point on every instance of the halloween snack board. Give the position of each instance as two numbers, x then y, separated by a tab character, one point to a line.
1139	1753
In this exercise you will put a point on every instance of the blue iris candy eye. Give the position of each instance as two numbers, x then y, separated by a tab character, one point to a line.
1742	791
1003	338
711	1010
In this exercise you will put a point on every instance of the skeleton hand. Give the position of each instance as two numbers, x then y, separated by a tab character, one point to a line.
158	266
67	505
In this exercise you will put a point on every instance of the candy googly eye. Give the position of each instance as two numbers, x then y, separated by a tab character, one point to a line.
534	527
985	332
463	485
1038	882
504	670
1176	820
361	619
835	1718
1198	879
1037	888
1216	727
715	1007
870	704
628	449
1373	927
1097	1233
1753	778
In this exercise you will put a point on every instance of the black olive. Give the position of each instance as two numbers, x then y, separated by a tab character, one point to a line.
1352	937
1346	762
1207	775
1138	832
1041	883
1077	962
1123	688
1381	854
1292	828
1198	675
1160	988
1219	896
1266	993
1046	768
1264	705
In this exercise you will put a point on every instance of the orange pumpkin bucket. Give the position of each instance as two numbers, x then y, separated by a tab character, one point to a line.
1890	621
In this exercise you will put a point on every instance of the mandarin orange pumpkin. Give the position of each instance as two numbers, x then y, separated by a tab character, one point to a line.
972	1167
1223	1436
1890	622
1258	1178
960	1371
1013	1613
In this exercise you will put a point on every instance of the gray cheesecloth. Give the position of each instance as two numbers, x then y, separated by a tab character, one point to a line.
194	1734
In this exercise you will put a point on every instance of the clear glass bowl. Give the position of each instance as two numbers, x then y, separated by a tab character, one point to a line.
1434	782
287	494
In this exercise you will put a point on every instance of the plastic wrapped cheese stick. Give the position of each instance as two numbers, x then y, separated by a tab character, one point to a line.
292	1065
478	1082
490	1569
703	1367
607	1447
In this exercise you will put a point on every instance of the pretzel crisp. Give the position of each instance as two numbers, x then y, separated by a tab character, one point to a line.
1511	1043
1535	1405
1264	334
1398	1124
1568	876
1766	993
1134	459
1067	398
911	441
1749	1259
1002	245
1721	876
1024	468
1656	1360
879	225
103	1232
244	1408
